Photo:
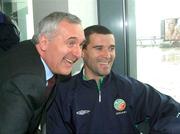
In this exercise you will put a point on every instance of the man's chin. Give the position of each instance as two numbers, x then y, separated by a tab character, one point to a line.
64	72
104	73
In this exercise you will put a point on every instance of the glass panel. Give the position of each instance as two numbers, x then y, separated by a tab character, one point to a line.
158	44
21	13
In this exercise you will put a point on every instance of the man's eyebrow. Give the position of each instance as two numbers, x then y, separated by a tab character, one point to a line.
97	45
112	45
74	38
71	38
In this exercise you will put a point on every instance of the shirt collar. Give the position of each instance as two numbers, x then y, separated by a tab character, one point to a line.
100	82
86	78
48	72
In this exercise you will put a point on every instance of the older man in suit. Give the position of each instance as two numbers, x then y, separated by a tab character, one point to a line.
25	70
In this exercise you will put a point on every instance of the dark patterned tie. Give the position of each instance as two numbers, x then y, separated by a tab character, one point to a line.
49	88
50	85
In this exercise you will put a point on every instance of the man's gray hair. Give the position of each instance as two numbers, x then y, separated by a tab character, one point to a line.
48	24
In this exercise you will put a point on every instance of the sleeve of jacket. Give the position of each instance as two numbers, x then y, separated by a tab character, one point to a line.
17	104
59	115
161	110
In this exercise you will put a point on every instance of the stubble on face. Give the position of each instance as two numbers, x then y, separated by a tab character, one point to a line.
98	62
98	67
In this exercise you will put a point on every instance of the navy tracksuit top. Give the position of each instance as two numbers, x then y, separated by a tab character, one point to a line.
121	104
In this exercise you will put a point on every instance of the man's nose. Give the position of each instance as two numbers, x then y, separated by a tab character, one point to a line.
77	50
106	53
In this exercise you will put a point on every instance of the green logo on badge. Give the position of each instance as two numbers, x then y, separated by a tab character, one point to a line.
119	104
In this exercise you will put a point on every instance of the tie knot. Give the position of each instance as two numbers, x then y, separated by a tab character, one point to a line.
52	80
50	85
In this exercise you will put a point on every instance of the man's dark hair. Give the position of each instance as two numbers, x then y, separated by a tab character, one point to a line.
9	34
99	29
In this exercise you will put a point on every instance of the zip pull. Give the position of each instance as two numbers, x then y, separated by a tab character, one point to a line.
99	95
99	86
178	115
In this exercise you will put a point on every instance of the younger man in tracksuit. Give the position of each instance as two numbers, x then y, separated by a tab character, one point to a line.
98	101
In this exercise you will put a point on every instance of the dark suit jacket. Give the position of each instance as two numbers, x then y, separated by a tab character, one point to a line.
22	88
1	52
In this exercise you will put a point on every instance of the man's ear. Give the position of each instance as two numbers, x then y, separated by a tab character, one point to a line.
43	42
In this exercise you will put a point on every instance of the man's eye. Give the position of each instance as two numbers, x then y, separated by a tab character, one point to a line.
71	43
98	48
111	48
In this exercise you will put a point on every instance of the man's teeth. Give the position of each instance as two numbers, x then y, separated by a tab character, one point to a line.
70	61
106	63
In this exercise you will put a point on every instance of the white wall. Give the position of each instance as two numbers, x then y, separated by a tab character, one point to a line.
42	8
85	9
